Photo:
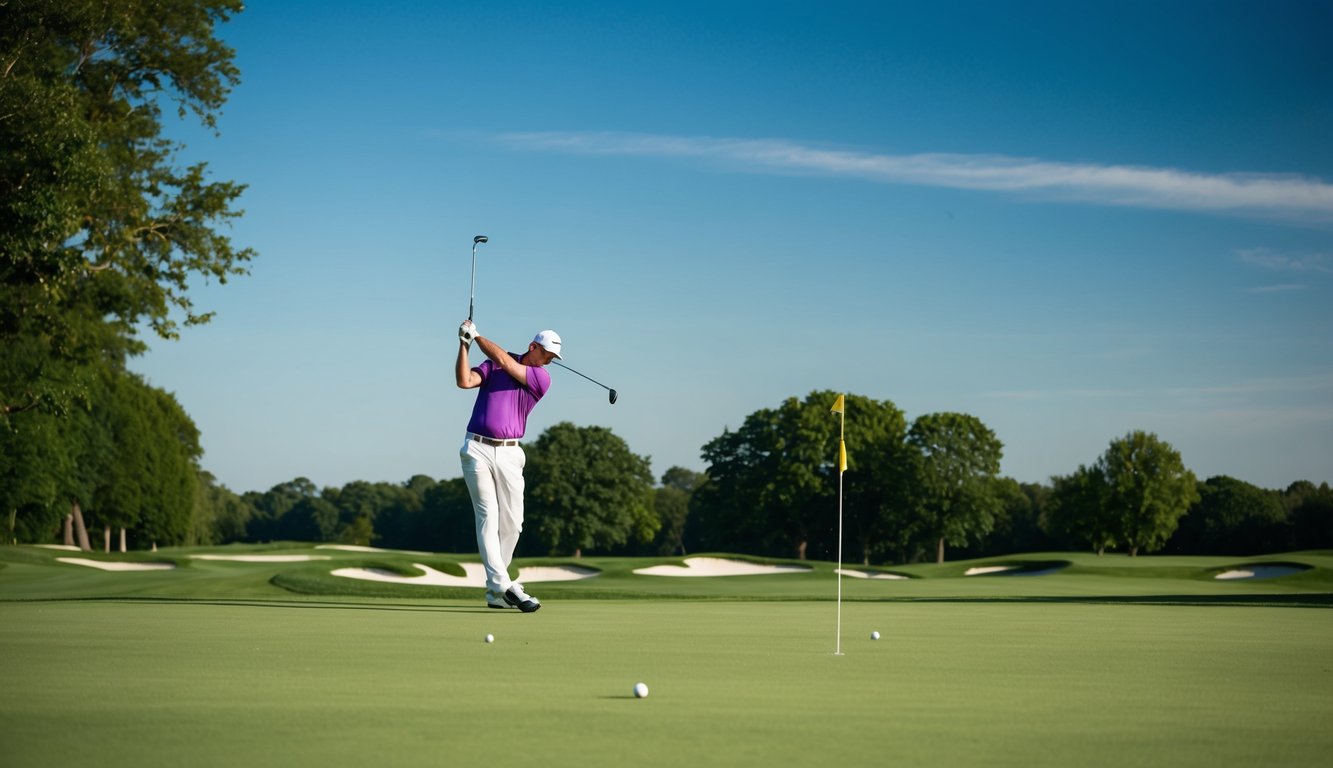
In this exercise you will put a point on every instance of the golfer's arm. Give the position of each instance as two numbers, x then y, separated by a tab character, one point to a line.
496	353
467	378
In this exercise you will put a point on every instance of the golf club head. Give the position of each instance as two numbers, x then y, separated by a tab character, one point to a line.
613	397
480	239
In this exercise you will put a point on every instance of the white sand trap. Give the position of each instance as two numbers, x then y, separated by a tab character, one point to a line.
476	575
982	570
716	566
538	573
1259	572
859	574
64	547
110	566
262	558
358	548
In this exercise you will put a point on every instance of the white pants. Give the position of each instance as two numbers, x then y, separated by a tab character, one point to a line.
494	477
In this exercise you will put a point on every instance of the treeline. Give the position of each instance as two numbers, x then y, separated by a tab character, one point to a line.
770	488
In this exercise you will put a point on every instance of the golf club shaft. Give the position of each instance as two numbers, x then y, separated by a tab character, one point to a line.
472	292
589	378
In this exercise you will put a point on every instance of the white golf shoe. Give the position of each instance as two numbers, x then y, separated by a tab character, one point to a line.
521	600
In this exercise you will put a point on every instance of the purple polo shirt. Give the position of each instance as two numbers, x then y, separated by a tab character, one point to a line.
503	405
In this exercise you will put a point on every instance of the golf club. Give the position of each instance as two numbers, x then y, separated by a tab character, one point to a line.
594	381
473	292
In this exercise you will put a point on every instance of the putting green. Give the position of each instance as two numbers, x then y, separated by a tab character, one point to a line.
142	683
1101	661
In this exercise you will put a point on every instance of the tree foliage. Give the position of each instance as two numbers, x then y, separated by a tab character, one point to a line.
586	490
101	228
956	462
773	482
1148	489
1078	508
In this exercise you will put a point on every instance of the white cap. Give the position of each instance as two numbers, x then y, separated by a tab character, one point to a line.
550	341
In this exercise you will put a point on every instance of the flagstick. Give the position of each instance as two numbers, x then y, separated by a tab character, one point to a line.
842	423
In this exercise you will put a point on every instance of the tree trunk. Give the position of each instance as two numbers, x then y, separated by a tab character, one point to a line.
80	529
122	539
939	551
1133	551
69	530
13	522
1101	550
800	549
106	537
578	553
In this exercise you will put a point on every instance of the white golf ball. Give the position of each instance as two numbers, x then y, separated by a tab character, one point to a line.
640	691
490	638
874	635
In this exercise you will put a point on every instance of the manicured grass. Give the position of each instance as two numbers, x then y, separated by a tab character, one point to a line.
1107	661
145	683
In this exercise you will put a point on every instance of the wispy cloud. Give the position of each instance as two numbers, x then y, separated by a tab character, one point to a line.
1284	288
1301	263
1285	196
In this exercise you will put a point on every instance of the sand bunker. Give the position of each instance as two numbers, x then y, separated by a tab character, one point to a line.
859	574
475	575
111	566
716	566
985	569
1259	572
65	547
262	558
358	548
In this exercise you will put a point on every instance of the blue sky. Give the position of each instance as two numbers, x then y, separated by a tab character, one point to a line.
1070	220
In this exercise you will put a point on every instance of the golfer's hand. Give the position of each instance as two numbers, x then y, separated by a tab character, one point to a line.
467	332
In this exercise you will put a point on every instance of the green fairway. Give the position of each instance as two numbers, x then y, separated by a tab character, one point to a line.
212	664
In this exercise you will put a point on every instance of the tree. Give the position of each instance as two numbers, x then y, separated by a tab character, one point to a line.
1147	489
671	503
1232	517
1016	527
772	484
957	458
100	227
587	490
447	520
769	482
1078	508
1311	515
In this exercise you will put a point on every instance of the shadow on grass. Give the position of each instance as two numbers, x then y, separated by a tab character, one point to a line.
1311	600
259	603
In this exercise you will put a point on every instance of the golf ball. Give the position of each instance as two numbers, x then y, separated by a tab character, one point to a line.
874	635
640	691
490	638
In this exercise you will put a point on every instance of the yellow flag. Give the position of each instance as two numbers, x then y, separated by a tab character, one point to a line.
838	406
842	456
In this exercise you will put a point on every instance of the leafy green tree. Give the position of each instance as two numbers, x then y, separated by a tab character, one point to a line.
1310	510
671	503
35	460
1016	527
587	490
447	522
1232	517
1078	508
1148	489
772	484
220	515
311	518
101	228
769	481
271	506
956	462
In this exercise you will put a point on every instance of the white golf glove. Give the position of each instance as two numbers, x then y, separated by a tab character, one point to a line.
467	332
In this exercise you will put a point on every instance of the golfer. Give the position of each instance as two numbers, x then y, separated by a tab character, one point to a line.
510	386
